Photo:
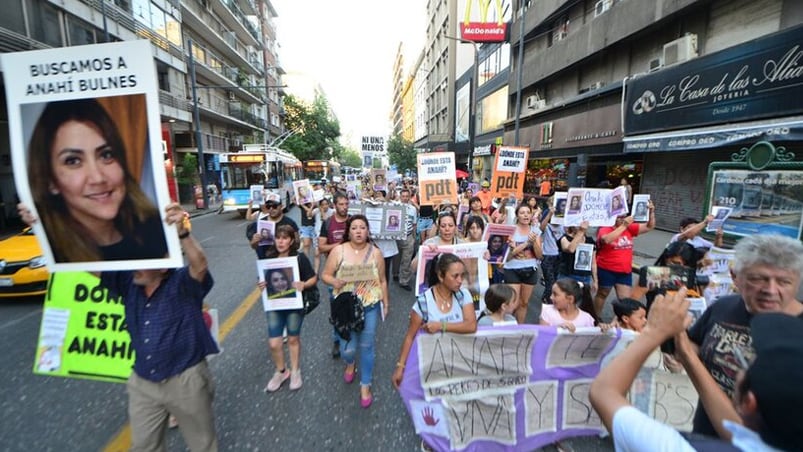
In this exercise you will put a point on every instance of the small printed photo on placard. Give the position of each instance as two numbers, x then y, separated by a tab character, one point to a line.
641	211
582	257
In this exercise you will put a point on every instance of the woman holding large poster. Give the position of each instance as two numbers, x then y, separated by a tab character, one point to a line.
278	284
89	202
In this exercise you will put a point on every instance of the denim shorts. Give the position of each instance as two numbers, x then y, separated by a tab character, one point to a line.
290	318
307	232
608	278
424	224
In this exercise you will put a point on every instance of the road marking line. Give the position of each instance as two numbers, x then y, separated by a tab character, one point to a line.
122	440
20	319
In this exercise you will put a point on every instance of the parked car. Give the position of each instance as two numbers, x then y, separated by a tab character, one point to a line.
22	266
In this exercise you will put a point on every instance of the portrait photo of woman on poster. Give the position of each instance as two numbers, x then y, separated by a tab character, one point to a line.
278	283
85	182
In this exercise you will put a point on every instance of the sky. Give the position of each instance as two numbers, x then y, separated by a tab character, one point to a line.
348	47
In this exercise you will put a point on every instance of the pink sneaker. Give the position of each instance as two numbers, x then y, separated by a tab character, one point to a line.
276	381
295	380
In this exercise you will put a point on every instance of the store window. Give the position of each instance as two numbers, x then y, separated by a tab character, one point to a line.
492	111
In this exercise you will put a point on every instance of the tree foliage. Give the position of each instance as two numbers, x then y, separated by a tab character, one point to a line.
316	129
351	158
402	154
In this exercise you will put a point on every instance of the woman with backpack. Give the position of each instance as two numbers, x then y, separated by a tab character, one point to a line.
286	245
357	254
444	307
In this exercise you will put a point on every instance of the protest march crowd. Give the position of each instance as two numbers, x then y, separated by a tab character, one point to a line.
743	352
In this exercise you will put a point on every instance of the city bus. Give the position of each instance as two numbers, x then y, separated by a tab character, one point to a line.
273	168
317	170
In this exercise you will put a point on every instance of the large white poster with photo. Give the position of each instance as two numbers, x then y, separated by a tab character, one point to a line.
86	139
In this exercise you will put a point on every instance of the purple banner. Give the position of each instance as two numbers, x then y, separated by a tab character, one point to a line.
504	388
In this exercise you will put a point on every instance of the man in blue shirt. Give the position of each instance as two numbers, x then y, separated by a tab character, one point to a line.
164	318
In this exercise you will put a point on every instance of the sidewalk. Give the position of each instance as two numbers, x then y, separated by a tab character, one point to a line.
647	247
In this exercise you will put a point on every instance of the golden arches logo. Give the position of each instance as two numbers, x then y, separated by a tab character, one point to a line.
484	6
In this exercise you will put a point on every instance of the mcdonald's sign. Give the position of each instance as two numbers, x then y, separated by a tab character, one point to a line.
483	31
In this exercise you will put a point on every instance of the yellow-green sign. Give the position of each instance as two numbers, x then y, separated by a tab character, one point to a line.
83	332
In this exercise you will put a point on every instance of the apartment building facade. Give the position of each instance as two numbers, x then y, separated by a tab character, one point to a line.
577	119
225	38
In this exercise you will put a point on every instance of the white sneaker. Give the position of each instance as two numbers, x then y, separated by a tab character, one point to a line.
295	380
276	381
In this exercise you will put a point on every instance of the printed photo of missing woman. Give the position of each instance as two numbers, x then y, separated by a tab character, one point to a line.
115	131
278	275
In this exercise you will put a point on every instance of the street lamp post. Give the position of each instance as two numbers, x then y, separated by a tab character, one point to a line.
472	105
196	123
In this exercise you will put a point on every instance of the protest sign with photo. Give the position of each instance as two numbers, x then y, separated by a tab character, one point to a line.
618	206
462	396
583	256
257	194
509	171
379	179
393	220
476	277
559	200
498	236
379	218
592	205
720	215
278	275
83	332
436	178
99	103
267	232
717	268
303	191
462	211
641	211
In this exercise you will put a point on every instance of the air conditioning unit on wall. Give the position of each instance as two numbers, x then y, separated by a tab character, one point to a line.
680	50
602	6
535	103
655	64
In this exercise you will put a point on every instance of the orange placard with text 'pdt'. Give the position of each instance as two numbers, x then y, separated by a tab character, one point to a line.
436	178
509	171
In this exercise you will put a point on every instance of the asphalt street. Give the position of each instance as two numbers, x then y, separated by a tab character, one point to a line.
48	413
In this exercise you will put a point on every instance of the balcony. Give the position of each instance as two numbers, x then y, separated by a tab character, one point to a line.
201	22
125	18
235	19
246	116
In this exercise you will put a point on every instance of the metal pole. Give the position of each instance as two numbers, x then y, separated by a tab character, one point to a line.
519	71
196	123
472	125
103	13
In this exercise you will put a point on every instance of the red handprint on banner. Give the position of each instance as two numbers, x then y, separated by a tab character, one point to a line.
429	417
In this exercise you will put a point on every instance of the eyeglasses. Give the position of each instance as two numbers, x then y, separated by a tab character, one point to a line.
271	206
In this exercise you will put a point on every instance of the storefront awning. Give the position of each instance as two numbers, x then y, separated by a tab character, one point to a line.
778	129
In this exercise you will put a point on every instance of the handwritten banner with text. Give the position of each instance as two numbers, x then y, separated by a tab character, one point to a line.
508	174
523	387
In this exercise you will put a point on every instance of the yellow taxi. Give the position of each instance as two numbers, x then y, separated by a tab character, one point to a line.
22	266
